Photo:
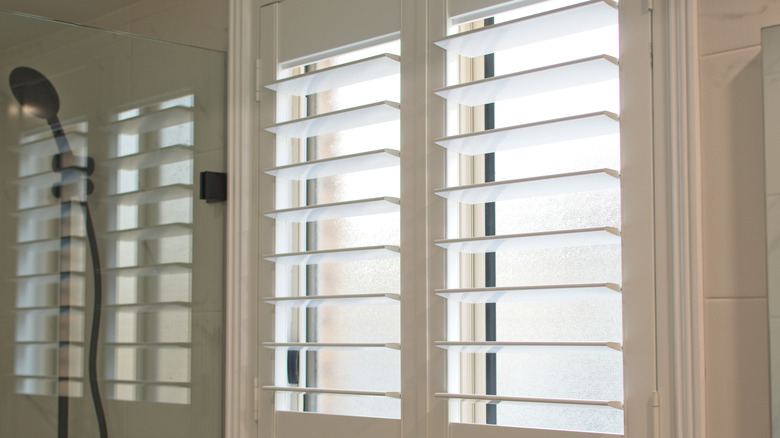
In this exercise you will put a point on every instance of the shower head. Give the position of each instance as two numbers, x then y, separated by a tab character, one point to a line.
35	93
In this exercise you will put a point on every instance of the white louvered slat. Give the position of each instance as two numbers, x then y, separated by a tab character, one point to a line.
332	391
334	300
323	346
337	210
532	293
341	120
339	76
336	255
533	134
525	83
576	182
509	399
529	347
528	30
338	165
552	239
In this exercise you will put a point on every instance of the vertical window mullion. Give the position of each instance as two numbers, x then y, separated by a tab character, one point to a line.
491	384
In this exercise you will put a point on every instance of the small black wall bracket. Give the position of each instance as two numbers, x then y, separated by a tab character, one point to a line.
213	186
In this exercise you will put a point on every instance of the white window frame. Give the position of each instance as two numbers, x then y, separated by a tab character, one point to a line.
674	196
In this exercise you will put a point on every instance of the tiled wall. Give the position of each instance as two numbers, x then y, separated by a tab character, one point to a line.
200	23
732	141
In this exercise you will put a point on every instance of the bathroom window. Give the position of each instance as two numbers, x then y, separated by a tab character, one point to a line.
517	290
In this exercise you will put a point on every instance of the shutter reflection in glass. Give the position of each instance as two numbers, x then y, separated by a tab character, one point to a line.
148	308
337	222
558	327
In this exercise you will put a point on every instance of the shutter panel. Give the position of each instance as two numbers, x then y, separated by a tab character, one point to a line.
543	377
337	294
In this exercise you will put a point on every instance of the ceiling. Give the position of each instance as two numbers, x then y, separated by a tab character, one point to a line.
74	11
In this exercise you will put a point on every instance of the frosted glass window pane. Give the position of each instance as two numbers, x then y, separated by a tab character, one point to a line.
362	93
575	418
585	376
373	369
550	159
601	96
560	321
359	370
602	41
571	211
367	138
382	407
593	264
358	324
362	277
380	229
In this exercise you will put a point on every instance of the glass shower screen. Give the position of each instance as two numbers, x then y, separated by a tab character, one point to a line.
112	272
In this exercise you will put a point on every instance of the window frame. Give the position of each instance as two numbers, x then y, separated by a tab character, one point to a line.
673	196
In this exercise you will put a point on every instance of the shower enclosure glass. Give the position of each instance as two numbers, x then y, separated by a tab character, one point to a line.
142	119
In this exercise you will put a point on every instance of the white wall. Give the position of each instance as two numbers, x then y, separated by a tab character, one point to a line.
735	289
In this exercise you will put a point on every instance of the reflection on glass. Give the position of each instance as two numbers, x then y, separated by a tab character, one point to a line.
151	116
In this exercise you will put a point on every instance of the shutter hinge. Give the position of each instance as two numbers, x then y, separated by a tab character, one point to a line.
258	81
656	414
256	397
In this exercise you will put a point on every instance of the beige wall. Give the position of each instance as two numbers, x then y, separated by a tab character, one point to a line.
736	317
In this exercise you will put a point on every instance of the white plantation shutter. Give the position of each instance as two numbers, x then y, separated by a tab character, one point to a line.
335	165
556	227
566	362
